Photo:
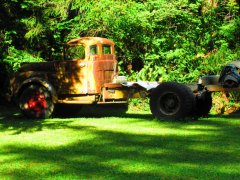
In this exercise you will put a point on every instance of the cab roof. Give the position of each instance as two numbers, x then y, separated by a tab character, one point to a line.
89	41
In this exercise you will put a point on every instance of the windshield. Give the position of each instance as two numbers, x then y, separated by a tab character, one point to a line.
75	52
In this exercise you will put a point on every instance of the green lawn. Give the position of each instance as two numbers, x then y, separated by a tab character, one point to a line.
133	146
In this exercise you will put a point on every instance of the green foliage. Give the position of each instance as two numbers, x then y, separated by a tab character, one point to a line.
162	40
138	105
16	57
151	72
213	63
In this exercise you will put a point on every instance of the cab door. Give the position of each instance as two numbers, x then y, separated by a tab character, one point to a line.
73	71
103	66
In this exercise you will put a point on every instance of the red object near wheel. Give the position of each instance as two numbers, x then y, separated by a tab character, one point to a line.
36	102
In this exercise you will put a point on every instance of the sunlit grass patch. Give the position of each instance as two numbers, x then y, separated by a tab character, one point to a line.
133	146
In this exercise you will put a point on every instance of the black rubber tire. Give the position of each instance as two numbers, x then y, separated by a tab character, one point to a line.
172	100
36	102
203	104
67	110
236	63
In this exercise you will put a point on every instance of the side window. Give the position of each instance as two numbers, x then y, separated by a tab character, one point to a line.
75	52
106	49
93	50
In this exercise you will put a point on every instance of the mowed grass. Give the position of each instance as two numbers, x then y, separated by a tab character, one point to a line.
131	146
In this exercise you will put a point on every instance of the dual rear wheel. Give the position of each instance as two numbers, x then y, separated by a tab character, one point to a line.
177	101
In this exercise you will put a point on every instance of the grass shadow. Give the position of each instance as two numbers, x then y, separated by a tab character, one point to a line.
11	118
136	149
100	111
129	156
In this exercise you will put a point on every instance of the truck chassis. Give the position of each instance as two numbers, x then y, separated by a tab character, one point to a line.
88	75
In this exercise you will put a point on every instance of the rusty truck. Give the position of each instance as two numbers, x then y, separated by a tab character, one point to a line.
88	74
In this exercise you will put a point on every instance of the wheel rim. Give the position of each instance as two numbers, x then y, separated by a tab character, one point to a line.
36	103
169	103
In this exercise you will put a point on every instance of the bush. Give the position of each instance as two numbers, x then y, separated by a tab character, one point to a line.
15	58
10	63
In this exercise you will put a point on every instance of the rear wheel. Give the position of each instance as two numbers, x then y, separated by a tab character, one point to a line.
172	101
36	102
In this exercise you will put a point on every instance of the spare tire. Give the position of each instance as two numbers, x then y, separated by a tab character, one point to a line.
236	63
230	75
172	100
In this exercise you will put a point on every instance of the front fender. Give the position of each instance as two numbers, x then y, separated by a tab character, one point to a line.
38	81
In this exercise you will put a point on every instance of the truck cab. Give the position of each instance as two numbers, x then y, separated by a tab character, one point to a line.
85	76
89	64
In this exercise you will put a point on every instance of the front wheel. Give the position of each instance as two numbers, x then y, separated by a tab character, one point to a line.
36	102
172	101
